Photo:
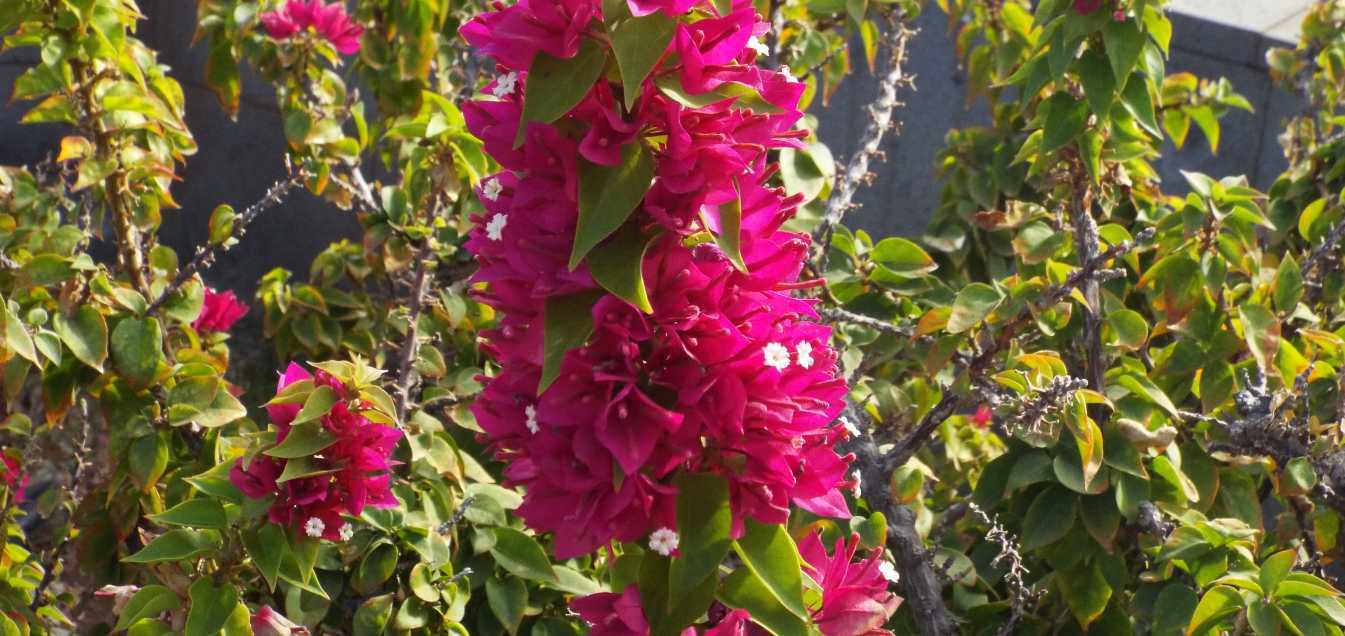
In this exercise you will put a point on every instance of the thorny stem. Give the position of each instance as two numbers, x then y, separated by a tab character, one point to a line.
921	587
206	254
880	119
1086	242
115	185
426	268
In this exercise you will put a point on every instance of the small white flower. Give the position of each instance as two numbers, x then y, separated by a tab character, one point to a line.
504	86
495	228
663	541
531	412
758	46
776	355
347	531
850	427
314	527
889	571
789	75
803	353
858	481
491	190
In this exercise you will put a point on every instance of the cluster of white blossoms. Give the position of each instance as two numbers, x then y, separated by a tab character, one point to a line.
314	527
505	85
776	355
495	228
531	413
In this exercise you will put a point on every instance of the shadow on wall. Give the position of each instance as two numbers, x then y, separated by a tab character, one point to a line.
905	193
238	160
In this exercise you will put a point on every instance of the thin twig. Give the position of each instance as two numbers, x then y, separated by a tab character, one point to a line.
880	119
206	254
836	314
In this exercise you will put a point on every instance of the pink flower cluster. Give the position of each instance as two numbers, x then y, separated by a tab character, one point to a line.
358	460
13	476
329	21
730	373
855	599
219	311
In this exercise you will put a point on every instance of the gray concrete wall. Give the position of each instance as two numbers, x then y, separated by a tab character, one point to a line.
238	160
906	192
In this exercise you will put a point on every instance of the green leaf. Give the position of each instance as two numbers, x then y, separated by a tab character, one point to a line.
1263	618
303	440
1261	330
1086	591
176	545
637	44
211	607
147	459
570	581
1124	42
147	602
1099	85
743	96
744	590
704	524
608	195
1144	388
1298	478
1209	124
17	338
770	553
903	257
1218	603
508	599
1298	618
372	617
1173	609
137	348
268	548
521	555
1130	328
973	303
1288	284
319	402
215	482
556	85
1216	384
1274	569
1135	96
729	237
85	333
301	468
196	513
222	74
618	265
1308	226
221	225
567	325
1065	119
1049	518
376	567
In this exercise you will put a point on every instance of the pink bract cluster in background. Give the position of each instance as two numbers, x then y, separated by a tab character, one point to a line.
359	460
329	21
219	311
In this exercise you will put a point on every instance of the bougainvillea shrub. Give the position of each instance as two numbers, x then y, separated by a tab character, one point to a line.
605	358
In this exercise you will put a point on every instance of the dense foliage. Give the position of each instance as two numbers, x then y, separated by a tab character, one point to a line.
606	359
